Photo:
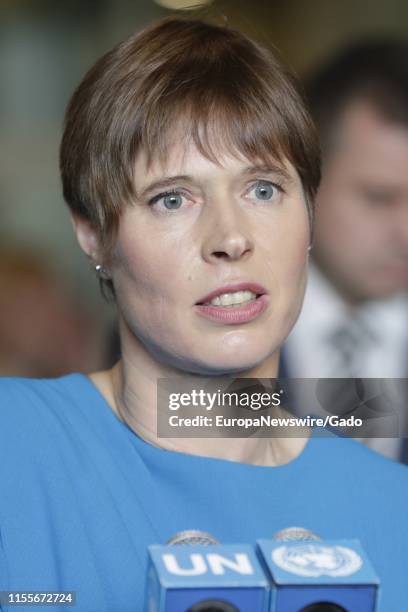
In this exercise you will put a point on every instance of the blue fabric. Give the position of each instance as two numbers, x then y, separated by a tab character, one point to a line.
82	496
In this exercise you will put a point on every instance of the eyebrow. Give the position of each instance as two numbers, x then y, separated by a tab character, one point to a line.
165	182
268	169
169	181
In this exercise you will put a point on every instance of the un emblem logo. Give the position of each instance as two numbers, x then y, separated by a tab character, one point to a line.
314	560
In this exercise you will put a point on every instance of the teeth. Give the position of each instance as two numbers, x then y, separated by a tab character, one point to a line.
232	299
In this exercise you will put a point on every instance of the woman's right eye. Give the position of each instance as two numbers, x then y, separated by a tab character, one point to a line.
171	200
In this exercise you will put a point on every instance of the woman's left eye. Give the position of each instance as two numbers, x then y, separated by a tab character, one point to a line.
264	190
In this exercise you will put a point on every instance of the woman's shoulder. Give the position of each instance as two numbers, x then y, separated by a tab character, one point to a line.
27	401
39	417
25	392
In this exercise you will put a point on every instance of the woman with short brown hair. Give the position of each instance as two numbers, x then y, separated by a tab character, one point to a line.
190	166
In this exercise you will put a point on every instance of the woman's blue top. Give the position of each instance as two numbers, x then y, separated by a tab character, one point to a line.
82	496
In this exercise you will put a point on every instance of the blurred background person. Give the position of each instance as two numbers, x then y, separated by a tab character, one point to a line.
45	330
354	321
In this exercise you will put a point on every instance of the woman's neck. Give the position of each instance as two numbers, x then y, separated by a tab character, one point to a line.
130	388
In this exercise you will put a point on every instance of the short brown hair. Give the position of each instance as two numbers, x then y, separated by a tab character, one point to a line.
221	87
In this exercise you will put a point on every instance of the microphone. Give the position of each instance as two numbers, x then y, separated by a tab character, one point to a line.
295	534
308	574
190	537
294	572
194	573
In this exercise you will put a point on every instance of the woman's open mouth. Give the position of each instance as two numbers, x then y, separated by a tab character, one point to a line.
234	304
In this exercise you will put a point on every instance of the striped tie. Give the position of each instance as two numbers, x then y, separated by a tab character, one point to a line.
348	343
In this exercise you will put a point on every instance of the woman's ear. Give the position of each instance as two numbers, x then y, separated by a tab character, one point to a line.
87	237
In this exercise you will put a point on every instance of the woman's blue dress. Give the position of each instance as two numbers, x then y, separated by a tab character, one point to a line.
82	496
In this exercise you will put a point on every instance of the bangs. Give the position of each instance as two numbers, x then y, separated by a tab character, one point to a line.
216	124
220	107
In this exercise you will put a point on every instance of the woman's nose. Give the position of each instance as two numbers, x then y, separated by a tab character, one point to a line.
227	234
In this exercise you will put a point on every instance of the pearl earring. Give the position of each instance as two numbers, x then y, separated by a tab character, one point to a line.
101	271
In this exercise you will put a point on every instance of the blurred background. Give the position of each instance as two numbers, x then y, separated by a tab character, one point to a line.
52	317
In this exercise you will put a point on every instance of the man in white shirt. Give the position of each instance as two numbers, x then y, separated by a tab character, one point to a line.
354	322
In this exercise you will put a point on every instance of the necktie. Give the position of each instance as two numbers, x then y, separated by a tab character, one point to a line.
349	345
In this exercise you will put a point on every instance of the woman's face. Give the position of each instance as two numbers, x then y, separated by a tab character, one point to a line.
209	263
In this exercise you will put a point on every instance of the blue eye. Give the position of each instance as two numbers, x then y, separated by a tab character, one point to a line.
264	190
172	200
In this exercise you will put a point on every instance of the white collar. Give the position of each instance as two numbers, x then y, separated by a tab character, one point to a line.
324	310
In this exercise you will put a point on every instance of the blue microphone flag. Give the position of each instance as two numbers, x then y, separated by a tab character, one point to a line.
305	573
181	577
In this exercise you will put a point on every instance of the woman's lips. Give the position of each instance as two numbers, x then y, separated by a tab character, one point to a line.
233	288
234	315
